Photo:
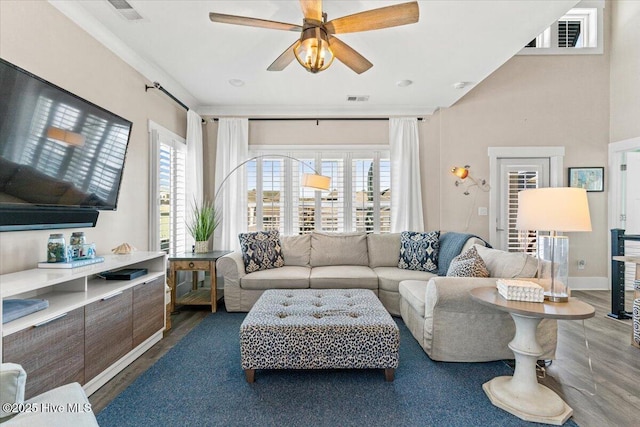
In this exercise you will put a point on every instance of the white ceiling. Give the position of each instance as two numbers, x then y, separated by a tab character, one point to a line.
193	58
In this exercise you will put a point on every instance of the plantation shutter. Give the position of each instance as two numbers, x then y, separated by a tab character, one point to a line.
384	178
519	240
332	203
517	175
271	196
169	205
359	197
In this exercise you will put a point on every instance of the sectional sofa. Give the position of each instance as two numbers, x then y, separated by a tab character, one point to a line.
437	310
324	261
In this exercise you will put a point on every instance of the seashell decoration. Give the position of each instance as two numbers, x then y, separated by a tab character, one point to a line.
123	249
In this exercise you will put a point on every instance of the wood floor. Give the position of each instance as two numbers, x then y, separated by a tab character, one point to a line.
608	397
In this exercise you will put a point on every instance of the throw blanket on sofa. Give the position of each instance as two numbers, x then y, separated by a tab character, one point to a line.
451	244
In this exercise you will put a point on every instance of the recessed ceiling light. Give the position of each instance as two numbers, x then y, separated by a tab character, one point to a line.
459	85
236	82
404	83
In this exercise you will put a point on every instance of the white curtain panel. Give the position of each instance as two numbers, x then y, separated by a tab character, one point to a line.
194	172
231	196
406	191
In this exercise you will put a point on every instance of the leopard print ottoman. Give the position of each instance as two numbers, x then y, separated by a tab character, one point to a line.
319	329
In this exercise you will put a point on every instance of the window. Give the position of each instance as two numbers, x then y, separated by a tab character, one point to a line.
168	194
579	31
359	198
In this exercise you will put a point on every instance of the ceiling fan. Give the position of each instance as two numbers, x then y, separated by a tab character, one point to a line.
317	46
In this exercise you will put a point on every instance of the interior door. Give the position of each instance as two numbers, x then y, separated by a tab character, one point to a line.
631	209
517	174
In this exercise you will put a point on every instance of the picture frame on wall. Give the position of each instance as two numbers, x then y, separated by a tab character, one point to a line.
589	178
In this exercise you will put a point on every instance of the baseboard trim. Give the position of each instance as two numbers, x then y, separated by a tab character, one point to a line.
589	283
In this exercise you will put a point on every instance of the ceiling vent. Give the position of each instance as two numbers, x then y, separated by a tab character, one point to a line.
360	98
125	10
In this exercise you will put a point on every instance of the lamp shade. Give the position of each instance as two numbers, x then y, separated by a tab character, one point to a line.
461	173
66	136
560	209
315	181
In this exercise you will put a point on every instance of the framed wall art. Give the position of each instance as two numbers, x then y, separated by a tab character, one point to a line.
590	178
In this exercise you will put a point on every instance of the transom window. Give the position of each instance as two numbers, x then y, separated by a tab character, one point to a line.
359	198
579	31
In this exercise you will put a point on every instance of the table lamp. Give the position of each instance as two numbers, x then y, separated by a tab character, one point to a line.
560	209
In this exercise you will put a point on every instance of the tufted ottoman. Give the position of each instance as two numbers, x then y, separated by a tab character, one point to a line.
319	329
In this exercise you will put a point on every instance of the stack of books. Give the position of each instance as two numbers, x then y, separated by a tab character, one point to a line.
520	290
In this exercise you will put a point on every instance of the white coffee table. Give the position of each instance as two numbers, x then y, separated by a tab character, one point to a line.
521	395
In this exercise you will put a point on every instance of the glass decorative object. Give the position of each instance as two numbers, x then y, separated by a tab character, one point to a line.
56	248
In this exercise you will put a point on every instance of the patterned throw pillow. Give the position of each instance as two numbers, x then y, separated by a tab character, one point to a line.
261	250
468	264
419	251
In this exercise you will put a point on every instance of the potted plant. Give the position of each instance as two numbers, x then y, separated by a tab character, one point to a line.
203	222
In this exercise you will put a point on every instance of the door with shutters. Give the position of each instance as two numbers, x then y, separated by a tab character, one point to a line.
515	175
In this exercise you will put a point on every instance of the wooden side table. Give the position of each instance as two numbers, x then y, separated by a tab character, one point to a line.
521	395
635	329
195	262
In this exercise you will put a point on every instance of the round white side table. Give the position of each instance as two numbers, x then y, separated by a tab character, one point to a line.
521	395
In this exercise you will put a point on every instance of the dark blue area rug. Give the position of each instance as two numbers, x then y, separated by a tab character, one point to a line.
199	382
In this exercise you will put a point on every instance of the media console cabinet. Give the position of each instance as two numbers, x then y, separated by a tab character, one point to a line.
92	329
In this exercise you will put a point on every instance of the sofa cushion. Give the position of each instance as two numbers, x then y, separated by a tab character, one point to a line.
390	277
419	251
296	250
287	277
339	249
343	276
468	264
507	264
261	250
384	249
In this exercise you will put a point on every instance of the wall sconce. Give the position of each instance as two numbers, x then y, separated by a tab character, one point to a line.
463	174
65	136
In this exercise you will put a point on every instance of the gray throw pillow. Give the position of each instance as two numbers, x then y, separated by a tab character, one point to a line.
468	264
261	250
419	251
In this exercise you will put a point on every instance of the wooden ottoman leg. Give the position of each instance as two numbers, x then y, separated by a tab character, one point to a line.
250	375
389	374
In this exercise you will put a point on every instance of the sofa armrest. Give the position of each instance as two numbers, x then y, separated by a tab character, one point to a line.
455	323
231	268
12	383
452	294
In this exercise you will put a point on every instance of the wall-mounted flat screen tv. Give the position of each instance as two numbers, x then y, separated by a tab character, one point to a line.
58	152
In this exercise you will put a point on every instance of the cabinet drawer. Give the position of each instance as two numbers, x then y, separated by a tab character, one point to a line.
148	309
52	353
190	265
108	332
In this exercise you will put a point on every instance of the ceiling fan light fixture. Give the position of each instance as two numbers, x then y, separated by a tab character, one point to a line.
313	51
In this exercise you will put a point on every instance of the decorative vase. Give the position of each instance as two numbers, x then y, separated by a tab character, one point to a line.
202	247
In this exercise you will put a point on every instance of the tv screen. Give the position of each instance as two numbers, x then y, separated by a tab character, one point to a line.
57	150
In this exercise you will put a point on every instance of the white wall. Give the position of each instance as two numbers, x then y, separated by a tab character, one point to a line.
625	70
37	37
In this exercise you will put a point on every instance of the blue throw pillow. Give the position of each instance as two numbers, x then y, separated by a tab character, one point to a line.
261	250
419	251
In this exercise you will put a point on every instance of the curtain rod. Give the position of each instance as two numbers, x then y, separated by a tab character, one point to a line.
158	86
274	119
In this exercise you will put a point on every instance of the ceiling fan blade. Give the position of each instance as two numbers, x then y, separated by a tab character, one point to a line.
312	9
284	59
348	56
253	22
375	19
